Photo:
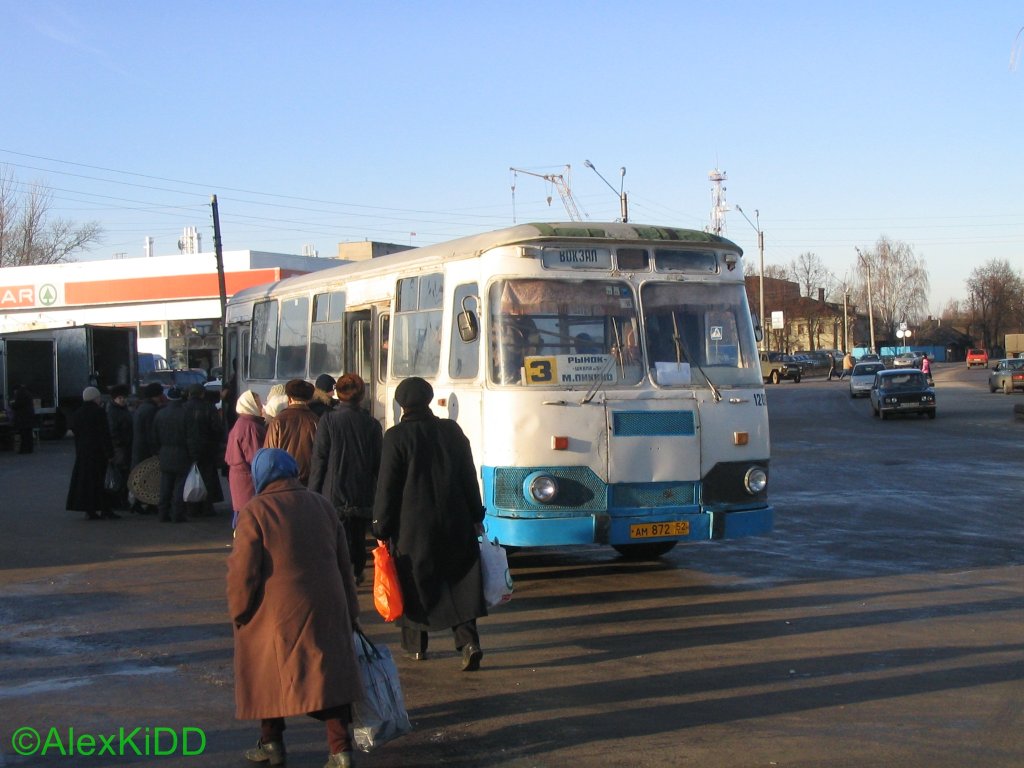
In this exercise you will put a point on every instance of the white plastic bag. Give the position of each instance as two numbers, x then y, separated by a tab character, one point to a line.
195	490
381	716
497	578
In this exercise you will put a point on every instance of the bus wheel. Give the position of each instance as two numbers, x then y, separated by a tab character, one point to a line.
650	551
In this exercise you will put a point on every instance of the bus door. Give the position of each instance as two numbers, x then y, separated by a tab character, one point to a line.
364	354
653	441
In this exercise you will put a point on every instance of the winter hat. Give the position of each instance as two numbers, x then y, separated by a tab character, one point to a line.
299	389
324	382
153	389
350	388
89	394
414	393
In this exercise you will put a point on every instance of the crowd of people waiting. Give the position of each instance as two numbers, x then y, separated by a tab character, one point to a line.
310	472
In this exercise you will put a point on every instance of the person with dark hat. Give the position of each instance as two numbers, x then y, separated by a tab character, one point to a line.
119	421
346	458
172	447
294	429
323	395
204	435
428	509
93	450
151	397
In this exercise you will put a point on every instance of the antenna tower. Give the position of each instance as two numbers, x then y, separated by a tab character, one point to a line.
718	204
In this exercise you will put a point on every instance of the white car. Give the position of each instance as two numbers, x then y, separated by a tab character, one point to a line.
862	377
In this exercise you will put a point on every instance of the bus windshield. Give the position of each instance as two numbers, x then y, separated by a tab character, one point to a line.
691	325
564	333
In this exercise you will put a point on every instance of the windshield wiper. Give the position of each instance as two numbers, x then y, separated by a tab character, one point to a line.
599	381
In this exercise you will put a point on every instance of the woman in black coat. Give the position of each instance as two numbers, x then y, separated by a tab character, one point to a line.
428	509
93	450
345	463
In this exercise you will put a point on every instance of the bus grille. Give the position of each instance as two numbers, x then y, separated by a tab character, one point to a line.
652	423
632	495
578	488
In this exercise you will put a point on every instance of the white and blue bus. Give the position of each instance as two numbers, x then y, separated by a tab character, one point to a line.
606	374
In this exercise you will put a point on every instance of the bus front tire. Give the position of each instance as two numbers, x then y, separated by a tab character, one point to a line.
650	551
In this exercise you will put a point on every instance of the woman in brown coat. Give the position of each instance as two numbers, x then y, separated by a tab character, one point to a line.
292	598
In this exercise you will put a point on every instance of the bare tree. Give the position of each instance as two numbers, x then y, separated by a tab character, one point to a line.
995	301
810	272
29	235
899	284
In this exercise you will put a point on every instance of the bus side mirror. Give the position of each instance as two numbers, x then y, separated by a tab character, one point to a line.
469	327
758	332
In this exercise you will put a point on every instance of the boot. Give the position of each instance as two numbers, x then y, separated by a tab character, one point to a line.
272	752
339	760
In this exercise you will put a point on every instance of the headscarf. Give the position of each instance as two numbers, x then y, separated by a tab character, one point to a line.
89	394
414	394
271	464
275	404
249	403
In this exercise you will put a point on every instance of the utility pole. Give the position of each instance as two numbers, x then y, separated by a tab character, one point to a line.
760	248
222	286
871	309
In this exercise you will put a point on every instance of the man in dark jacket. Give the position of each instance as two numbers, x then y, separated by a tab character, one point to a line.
150	399
323	395
119	421
172	448
23	417
93	450
346	459
204	436
428	509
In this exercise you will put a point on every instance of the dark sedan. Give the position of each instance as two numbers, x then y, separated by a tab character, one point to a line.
902	390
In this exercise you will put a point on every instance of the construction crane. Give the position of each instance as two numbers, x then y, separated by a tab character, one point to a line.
558	181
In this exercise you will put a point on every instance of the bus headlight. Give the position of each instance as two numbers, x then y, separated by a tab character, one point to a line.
755	480
541	488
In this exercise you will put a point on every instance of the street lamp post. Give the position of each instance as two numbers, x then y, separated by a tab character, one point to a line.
760	248
623	202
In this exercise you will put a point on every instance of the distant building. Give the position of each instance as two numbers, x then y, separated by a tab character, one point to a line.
172	301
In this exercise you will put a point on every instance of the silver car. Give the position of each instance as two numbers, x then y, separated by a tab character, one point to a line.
861	378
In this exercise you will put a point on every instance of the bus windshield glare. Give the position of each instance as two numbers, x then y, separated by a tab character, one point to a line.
573	333
564	333
699	324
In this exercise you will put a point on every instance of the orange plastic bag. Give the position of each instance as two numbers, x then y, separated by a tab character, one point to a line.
387	592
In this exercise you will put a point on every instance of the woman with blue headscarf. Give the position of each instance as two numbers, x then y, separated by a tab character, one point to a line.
292	598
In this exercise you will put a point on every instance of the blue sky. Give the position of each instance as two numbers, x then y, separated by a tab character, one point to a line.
332	121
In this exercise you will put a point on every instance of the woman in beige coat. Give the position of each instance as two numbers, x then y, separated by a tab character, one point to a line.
292	598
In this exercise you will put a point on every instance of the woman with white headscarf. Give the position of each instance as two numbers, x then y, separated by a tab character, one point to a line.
246	437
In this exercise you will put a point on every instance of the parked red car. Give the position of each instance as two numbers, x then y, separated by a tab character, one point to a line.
977	357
